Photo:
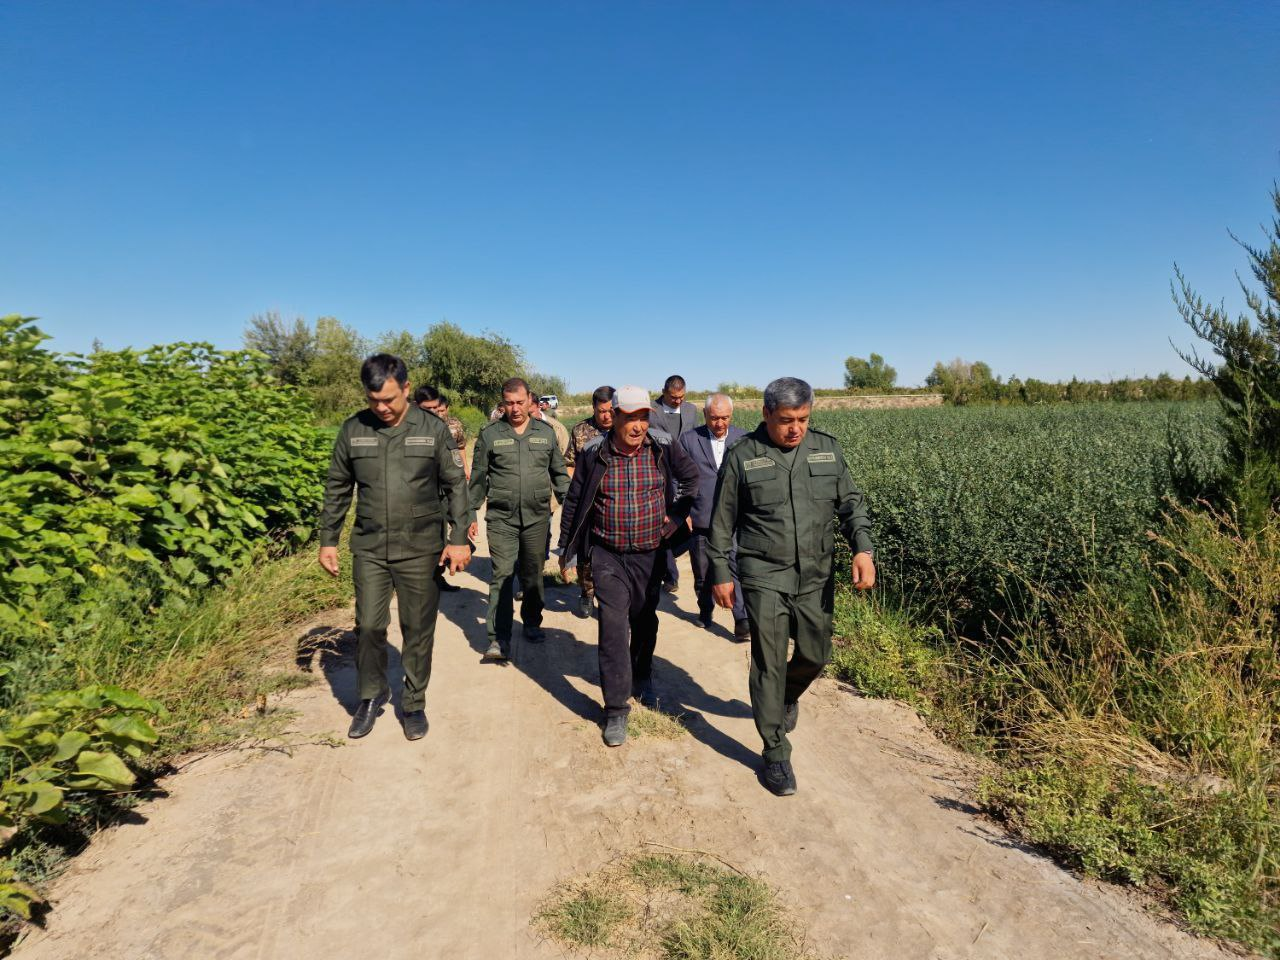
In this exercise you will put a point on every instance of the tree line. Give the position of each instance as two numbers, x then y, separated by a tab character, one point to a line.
961	382
324	361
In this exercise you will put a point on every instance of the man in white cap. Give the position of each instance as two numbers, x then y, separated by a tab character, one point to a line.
630	496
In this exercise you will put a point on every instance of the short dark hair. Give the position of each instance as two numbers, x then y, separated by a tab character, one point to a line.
377	369
514	384
674	381
426	394
601	395
788	393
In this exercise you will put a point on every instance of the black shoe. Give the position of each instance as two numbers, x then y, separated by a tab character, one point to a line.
584	607
534	634
415	724
706	619
366	714
742	631
615	731
790	716
779	778
646	694
496	653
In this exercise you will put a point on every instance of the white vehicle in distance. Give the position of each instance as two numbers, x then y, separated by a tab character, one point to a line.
549	402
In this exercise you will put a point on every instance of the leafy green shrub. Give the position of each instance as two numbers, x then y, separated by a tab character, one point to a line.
71	742
177	459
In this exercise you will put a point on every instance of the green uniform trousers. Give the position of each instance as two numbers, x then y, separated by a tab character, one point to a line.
776	681
418	598
514	547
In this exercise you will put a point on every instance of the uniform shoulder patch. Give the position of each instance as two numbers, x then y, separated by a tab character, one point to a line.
757	463
457	457
822	456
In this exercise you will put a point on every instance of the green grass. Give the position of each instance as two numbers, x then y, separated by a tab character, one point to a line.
673	908
1134	721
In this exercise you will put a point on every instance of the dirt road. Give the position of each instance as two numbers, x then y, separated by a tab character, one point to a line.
442	848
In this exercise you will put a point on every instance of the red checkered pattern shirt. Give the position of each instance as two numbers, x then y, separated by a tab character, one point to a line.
630	502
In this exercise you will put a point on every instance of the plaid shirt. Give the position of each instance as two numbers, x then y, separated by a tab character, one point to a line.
630	502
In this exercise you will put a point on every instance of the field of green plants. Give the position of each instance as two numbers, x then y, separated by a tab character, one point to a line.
968	501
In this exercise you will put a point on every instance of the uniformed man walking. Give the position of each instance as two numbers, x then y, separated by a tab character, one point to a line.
780	488
516	467
400	460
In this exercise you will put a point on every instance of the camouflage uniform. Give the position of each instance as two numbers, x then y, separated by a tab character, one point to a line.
457	431
581	434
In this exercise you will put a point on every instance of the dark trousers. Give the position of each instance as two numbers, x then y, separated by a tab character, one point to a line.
702	577
514	546
418	599
776	681
627	587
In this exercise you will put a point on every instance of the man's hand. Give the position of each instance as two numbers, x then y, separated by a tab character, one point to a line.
473	529
689	522
455	559
864	571
329	560
569	571
723	593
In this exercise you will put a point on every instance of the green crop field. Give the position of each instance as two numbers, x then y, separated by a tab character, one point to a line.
966	500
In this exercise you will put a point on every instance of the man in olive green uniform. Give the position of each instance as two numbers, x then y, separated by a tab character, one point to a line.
401	460
516	466
780	488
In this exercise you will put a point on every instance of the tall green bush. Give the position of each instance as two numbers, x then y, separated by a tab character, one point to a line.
178	458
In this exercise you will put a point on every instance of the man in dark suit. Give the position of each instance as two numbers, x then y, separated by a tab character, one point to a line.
706	446
671	413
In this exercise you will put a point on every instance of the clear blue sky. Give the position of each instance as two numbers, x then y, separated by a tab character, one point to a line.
727	190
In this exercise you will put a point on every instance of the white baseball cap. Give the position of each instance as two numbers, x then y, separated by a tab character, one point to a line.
629	399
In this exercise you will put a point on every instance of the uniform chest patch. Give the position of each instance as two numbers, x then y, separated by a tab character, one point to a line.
541	440
757	464
419	441
505	442
826	456
364	441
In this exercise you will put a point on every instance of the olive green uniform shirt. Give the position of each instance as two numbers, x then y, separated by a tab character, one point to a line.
407	479
517	472
781	506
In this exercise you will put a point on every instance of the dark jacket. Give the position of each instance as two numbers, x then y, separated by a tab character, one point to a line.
781	511
675	424
697	443
681	476
406	479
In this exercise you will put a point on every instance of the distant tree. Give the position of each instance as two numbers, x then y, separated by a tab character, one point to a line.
962	382
290	347
1247	375
471	368
547	383
335	371
404	345
871	374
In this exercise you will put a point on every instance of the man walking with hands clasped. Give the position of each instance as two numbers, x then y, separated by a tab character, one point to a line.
631	493
780	489
516	467
407	473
